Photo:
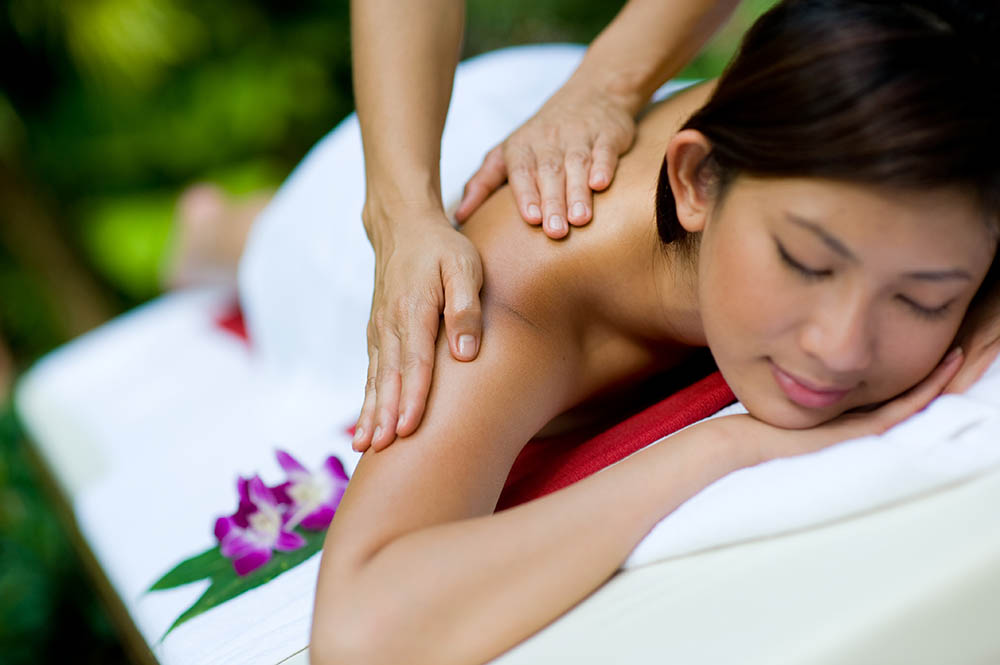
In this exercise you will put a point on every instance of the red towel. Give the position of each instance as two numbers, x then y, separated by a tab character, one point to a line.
546	465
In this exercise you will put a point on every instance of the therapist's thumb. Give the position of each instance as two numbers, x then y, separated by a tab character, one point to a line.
463	319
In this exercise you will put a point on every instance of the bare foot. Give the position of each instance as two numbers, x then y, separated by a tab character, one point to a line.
209	235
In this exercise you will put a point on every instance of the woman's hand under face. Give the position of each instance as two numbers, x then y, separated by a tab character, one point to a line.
980	337
557	159
766	442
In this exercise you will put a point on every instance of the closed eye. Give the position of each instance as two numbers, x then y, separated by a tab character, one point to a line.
926	312
797	266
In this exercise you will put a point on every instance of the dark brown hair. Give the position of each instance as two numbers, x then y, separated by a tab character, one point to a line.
903	94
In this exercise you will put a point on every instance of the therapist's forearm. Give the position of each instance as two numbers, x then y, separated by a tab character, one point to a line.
648	42
404	59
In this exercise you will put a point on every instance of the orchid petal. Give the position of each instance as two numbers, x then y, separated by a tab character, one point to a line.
236	544
260	494
280	493
243	513
241	488
335	468
251	561
288	541
289	464
319	519
223	526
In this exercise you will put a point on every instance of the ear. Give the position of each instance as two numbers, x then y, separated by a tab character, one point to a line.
689	183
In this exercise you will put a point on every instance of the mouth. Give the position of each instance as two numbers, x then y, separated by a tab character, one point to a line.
805	393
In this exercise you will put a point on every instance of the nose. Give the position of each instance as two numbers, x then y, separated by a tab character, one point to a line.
839	334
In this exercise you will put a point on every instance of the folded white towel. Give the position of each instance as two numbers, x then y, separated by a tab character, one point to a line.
956	437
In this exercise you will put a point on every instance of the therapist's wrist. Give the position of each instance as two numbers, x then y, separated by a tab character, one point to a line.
385	218
630	85
614	87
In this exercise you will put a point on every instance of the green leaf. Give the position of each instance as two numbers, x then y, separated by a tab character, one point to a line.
226	584
207	564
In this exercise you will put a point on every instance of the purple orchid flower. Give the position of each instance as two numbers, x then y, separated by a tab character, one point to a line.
258	526
312	497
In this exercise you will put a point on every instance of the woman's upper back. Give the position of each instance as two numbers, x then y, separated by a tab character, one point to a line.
599	290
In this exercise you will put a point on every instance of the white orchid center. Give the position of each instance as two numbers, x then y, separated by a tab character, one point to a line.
310	492
266	522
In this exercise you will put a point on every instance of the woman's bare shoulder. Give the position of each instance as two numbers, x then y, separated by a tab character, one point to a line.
523	269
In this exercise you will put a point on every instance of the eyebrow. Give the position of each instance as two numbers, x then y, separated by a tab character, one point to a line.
824	235
840	248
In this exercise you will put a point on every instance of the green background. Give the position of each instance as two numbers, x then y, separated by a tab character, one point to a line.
108	110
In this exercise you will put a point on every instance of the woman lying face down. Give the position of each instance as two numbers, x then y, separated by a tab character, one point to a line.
825	218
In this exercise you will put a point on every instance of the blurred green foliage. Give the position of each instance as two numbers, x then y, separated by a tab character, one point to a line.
137	98
108	109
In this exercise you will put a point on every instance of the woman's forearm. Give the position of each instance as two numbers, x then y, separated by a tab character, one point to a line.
465	591
647	43
404	58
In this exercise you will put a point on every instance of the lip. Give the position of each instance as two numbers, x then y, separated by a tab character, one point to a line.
804	393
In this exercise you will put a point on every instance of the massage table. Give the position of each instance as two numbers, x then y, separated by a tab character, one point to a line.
880	550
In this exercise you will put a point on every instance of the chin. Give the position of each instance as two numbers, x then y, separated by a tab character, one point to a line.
781	412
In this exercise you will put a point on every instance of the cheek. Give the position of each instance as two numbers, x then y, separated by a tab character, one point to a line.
907	355
744	297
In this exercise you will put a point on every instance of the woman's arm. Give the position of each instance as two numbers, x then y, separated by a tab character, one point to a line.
416	569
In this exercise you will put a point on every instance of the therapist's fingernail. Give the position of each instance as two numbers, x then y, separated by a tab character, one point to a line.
556	223
467	346
534	212
955	354
579	210
378	431
359	433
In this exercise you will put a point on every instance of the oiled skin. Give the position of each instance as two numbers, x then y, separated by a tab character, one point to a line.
406	576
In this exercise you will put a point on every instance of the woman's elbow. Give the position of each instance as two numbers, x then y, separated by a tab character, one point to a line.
352	626
346	635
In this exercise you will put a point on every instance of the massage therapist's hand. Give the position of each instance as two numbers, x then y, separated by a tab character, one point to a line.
422	268
763	442
556	159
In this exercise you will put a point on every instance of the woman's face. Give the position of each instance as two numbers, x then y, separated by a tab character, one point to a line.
819	296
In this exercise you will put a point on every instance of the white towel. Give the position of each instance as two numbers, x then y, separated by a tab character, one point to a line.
955	438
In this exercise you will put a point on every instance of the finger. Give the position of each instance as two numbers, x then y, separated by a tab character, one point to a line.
552	187
363	428
387	384
602	170
578	193
521	175
418	365
483	182
463	319
974	367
